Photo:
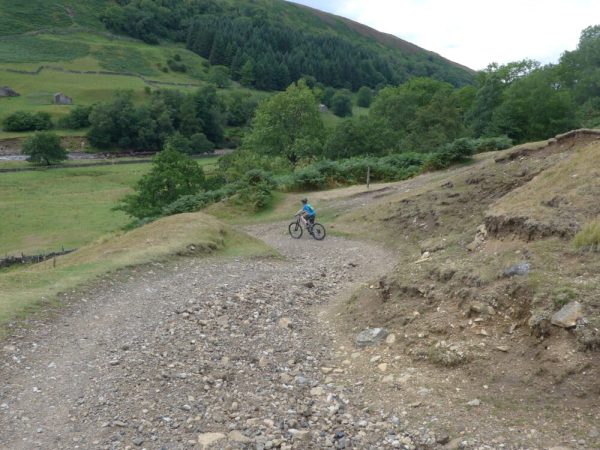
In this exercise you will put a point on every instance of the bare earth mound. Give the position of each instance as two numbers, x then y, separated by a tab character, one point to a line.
495	315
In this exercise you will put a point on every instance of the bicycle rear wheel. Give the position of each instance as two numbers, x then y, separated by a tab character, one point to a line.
295	230
318	231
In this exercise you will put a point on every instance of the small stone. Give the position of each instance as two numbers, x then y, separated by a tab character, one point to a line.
442	438
424	391
388	379
568	315
118	423
263	362
138	441
284	322
371	336
285	377
482	308
207	439
474	402
522	268
9	348
503	348
114	362
454	444
236	436
326	370
317	391
390	339
268	422
300	435
382	367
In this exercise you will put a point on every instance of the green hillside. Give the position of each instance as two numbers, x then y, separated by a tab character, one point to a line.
270	43
88	67
282	41
33	15
91	49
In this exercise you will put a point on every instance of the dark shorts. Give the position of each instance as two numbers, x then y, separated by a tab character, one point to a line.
311	219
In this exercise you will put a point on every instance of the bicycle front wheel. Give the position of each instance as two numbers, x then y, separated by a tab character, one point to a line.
318	231
295	230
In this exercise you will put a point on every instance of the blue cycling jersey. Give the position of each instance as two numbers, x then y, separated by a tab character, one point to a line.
309	210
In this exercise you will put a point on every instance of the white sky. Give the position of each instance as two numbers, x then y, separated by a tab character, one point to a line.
476	33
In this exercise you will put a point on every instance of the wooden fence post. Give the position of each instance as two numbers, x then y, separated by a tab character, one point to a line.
368	176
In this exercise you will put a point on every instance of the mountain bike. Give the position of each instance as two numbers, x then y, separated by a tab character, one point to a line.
315	229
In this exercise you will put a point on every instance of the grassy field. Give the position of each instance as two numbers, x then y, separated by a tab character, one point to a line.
31	15
45	210
86	52
25	290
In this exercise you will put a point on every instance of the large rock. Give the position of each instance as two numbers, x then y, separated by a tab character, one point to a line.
540	324
62	99
371	336
8	92
568	315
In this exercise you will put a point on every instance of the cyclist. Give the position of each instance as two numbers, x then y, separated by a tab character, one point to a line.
307	213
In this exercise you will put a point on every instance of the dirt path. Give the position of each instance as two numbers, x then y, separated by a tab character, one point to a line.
226	350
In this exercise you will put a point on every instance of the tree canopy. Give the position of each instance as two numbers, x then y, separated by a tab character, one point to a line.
172	175
44	147
287	124
269	44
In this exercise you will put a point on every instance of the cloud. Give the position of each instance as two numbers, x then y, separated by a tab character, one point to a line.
475	33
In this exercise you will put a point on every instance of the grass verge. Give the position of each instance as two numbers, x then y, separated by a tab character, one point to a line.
47	209
25	290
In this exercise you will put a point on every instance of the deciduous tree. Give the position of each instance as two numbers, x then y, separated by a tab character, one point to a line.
288	124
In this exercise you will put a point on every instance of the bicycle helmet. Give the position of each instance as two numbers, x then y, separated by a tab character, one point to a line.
304	200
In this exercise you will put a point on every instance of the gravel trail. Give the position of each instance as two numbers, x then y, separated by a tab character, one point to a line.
199	353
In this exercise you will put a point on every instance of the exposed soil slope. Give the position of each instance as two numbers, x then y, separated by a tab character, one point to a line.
486	260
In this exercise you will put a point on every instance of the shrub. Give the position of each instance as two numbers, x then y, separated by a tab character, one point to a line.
25	121
563	296
199	144
195	202
308	178
458	151
364	97
255	189
588	239
341	104
461	149
176	66
78	117
492	143
436	161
